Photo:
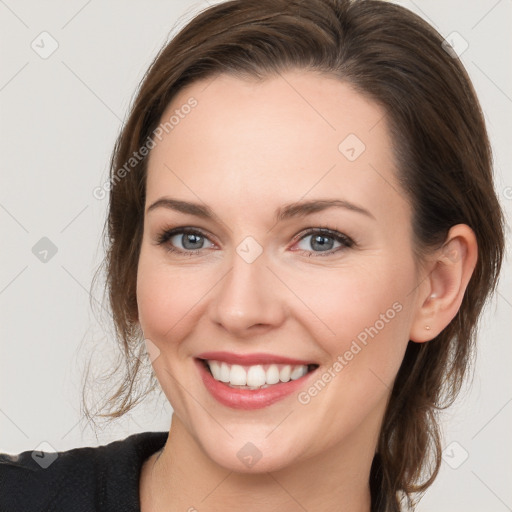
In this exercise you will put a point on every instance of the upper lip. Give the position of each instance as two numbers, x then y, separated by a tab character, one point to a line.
251	359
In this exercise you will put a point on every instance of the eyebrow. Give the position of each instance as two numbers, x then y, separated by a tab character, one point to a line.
297	209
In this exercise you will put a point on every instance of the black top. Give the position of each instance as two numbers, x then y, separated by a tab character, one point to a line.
100	479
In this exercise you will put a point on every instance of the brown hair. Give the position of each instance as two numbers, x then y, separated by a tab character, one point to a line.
444	166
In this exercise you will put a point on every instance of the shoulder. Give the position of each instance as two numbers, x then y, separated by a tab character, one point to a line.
99	478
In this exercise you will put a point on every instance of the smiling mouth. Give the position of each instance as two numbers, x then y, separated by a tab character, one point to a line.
258	376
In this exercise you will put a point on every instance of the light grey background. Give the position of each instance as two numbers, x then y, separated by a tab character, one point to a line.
60	116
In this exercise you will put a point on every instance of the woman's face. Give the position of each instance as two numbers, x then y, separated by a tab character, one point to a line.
273	271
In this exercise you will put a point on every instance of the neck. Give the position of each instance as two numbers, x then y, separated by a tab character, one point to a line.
183	478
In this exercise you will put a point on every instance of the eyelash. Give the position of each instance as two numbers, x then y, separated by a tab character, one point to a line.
346	241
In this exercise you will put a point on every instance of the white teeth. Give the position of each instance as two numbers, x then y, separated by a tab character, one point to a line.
224	372
215	369
238	376
284	374
256	376
298	372
273	374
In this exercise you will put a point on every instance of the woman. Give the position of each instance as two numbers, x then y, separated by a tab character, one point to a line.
303	231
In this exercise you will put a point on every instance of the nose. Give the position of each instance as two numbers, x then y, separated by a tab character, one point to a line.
249	299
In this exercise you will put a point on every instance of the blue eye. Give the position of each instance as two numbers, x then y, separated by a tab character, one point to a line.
322	242
189	241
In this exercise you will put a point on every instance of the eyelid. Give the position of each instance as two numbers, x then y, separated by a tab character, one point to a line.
333	233
345	241
167	233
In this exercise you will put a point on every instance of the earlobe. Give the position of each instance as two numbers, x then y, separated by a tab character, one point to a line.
442	291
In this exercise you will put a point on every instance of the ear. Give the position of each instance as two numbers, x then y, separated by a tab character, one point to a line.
440	294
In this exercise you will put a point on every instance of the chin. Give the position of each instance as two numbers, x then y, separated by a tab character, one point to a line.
247	457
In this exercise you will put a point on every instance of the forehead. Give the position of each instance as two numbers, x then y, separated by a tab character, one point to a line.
278	139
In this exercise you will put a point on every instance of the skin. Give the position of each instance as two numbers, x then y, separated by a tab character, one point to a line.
245	150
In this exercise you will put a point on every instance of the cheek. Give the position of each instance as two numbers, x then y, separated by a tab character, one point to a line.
165	297
362	317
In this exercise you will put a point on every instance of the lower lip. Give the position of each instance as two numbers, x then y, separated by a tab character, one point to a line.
246	398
